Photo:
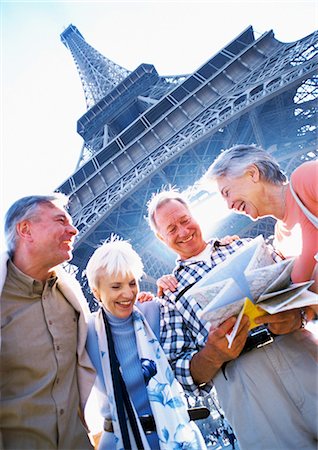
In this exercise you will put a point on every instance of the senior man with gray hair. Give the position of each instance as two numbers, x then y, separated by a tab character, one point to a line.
268	392
46	373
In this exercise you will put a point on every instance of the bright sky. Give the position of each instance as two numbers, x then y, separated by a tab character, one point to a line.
41	93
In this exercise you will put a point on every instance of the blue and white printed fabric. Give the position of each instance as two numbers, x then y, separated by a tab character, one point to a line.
166	397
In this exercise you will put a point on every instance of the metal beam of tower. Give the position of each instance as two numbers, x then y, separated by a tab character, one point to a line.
143	130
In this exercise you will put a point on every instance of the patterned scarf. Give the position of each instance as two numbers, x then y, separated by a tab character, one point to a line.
166	397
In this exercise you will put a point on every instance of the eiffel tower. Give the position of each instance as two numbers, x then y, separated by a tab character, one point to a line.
143	131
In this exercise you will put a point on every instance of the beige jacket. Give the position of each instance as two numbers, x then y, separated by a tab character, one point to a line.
71	289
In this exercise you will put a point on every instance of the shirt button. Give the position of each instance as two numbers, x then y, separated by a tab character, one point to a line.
50	322
57	347
61	411
74	319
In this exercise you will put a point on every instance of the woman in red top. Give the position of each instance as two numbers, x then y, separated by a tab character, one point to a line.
252	183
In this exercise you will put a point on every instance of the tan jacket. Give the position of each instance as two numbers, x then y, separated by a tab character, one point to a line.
71	289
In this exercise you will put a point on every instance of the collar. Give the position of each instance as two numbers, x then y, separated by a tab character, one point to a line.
212	243
28	284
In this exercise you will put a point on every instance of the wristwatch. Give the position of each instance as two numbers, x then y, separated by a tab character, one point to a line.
303	318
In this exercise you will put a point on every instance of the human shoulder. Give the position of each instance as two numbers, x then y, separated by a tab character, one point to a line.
304	183
308	166
305	174
71	288
4	257
151	312
65	279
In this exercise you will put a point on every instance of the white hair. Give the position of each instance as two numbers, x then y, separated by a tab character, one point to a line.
113	257
160	198
234	161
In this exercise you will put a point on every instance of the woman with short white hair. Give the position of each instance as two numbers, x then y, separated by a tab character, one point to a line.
142	404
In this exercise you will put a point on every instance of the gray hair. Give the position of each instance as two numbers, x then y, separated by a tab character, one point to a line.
115	256
234	161
24	209
160	198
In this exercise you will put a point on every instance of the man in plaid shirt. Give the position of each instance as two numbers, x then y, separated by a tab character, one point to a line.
267	393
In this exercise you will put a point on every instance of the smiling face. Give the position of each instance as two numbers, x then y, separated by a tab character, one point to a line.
51	234
117	293
177	228
243	194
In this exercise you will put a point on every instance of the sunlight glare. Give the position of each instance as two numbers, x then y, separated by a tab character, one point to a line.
209	209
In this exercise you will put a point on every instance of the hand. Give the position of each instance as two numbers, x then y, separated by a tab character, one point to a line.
166	283
207	362
218	341
143	297
229	239
281	323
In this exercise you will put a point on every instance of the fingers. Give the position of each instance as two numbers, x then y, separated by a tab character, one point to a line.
229	239
241	336
217	343
224	328
227	326
281	317
144	297
244	325
166	282
243	329
283	322
171	283
159	292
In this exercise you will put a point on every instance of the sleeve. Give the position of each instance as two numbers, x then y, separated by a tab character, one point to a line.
92	412
183	335
304	180
96	408
151	311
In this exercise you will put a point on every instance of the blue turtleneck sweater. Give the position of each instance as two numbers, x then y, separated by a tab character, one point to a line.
126	350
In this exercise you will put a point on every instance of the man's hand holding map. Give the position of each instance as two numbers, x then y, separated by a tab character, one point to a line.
249	279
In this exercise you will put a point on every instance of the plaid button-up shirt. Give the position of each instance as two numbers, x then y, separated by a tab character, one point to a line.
182	332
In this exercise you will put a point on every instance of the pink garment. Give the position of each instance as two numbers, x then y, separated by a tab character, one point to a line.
295	235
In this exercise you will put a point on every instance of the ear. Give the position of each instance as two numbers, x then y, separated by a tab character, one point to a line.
159	237
253	172
24	229
96	293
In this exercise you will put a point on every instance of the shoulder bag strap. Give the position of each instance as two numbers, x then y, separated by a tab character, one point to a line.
183	291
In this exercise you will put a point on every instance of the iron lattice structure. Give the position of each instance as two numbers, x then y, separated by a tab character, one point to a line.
142	131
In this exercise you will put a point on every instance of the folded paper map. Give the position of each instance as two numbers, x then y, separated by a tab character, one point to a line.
247	279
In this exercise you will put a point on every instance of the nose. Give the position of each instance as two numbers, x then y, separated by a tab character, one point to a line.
183	231
129	293
229	203
72	230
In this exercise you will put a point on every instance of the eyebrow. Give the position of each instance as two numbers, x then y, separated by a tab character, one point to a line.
64	216
59	215
133	280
